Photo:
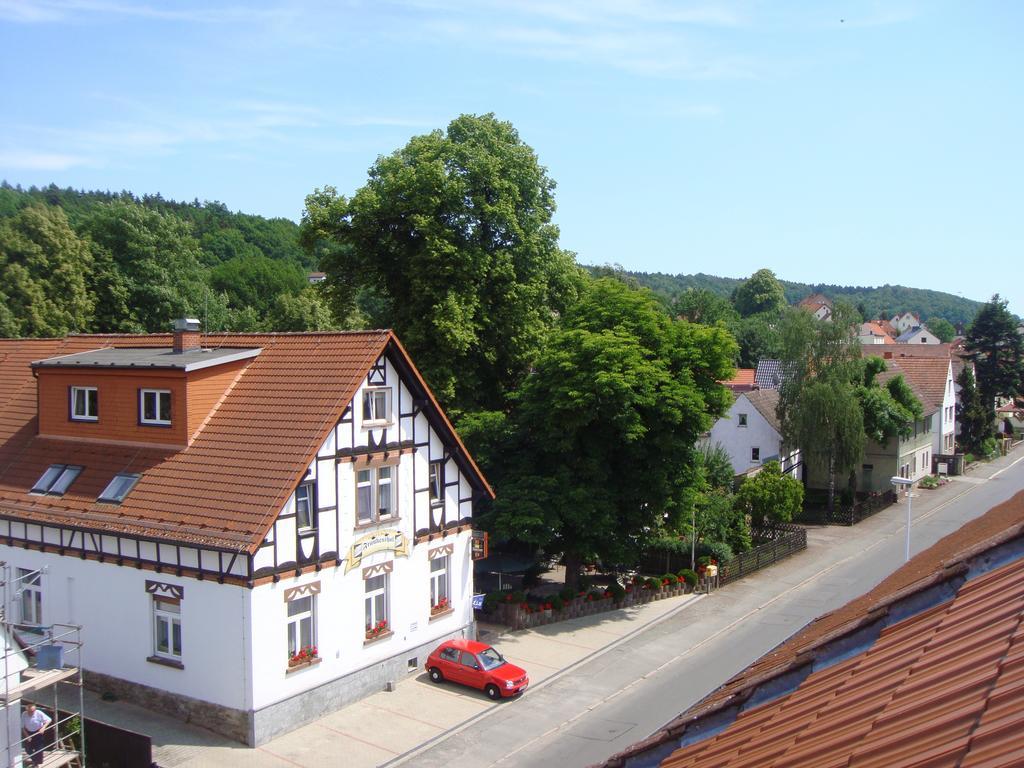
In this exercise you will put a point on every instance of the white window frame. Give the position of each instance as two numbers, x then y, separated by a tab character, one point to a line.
439	581
435	483
94	415
167	613
376	604
30	585
371	417
305	611
305	522
157	394
376	480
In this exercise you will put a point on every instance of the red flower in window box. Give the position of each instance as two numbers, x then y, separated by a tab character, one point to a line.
304	655
378	629
440	606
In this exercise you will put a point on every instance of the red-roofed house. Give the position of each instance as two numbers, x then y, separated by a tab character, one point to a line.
873	333
255	529
926	669
818	305
743	381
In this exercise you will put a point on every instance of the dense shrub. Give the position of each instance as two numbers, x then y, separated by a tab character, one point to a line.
688	576
557	603
567	593
652	583
618	591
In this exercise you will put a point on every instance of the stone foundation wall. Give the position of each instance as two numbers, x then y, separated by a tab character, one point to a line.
256	728
233	723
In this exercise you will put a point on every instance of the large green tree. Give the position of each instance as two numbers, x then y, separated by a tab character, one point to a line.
972	417
942	328
43	265
601	454
453	234
997	350
761	293
148	269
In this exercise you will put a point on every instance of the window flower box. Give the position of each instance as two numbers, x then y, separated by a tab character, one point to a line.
378	631
442	606
304	657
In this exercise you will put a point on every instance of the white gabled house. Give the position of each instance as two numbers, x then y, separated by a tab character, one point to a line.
751	434
254	530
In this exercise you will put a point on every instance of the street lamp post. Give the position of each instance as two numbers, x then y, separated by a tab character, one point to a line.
905	483
693	538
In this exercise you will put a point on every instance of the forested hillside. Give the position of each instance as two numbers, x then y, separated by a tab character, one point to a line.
885	300
75	261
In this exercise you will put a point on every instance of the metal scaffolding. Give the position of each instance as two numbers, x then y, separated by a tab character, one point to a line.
38	660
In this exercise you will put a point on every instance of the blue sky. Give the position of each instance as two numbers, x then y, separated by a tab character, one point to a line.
844	142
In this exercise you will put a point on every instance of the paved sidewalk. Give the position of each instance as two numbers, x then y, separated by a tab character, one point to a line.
416	713
390	728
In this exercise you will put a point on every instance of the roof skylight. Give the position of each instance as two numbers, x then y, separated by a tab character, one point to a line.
119	487
56	480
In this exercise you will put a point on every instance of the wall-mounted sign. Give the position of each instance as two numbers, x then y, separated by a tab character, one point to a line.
391	540
479	545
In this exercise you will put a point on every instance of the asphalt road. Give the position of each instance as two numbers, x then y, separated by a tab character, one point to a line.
624	694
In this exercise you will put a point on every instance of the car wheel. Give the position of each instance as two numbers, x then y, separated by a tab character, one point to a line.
435	675
493	692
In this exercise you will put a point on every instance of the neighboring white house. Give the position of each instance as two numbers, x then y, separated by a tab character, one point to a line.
254	529
751	435
873	333
918	335
904	321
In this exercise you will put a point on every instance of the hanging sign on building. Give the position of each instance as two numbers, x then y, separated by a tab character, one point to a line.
479	545
390	540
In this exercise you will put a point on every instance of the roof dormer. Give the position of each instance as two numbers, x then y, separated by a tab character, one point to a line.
145	395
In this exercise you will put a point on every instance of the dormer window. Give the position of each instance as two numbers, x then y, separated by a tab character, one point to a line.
56	479
84	404
119	487
376	406
155	407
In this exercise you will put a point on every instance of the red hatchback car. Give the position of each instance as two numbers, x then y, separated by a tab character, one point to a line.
477	665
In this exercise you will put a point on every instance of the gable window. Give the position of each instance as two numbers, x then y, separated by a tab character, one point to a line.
374	499
30	587
376	606
118	487
84	404
376	405
439	601
742	420
304	506
56	479
155	406
436	483
302	626
167	627
755	454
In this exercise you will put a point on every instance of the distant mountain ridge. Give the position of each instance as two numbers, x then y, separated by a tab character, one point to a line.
886	299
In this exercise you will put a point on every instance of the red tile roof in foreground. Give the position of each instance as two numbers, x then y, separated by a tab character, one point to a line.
742	381
227	487
927	669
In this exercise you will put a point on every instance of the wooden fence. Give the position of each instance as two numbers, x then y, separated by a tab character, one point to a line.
784	539
850	514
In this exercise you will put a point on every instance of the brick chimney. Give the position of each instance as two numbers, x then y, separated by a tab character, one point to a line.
186	334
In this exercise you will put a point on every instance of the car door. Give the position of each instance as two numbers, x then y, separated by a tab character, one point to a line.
471	671
448	661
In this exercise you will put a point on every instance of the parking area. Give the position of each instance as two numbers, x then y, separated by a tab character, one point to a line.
390	727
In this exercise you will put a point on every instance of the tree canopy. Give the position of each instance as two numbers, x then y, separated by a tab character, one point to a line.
603	431
997	350
453	234
761	293
770	495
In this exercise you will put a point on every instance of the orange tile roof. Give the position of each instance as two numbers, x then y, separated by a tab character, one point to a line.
224	489
742	381
941	683
927	374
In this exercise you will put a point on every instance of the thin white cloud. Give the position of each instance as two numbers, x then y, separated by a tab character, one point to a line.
50	11
39	161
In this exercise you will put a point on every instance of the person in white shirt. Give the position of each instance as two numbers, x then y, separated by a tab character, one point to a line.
34	723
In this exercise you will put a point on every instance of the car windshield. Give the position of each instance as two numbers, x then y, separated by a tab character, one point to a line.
490	658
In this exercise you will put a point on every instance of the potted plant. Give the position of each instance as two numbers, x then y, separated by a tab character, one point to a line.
303	656
376	630
440	606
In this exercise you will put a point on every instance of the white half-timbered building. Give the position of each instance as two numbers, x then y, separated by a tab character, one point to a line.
253	530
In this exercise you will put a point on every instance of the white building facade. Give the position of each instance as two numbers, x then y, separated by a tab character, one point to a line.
750	434
364	567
